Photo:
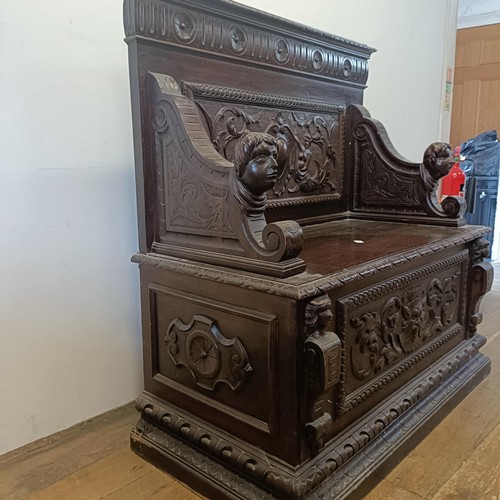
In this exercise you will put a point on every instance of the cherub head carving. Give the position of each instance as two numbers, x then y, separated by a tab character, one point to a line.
438	159
255	160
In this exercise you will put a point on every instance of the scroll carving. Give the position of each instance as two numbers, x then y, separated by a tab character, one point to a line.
480	282
211	358
387	184
322	352
192	205
255	173
382	184
396	324
309	158
403	323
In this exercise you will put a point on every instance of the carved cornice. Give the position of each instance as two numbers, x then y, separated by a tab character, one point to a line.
228	94
306	285
235	31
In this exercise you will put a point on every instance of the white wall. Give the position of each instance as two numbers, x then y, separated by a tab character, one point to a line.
70	343
415	41
478	13
69	314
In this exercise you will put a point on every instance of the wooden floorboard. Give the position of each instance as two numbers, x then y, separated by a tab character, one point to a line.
458	460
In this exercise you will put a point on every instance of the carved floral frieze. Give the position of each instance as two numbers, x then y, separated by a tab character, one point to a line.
309	144
402	323
398	321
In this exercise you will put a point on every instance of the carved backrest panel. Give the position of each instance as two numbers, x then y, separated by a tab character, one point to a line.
309	134
247	70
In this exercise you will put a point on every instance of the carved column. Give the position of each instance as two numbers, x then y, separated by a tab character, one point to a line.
322	353
481	279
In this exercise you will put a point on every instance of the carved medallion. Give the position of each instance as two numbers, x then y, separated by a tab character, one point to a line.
211	358
317	60
184	26
347	68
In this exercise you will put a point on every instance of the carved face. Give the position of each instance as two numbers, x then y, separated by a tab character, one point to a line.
324	317
370	340
438	159
261	171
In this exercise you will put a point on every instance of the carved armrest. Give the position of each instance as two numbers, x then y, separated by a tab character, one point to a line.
208	210
386	185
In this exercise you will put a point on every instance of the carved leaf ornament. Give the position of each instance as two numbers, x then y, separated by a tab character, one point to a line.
402	325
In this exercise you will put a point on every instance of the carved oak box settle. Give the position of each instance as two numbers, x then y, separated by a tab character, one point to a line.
308	307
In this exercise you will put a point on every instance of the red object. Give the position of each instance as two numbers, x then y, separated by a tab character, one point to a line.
453	183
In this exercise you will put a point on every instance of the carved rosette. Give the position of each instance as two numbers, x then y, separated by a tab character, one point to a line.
383	186
322	354
211	358
481	280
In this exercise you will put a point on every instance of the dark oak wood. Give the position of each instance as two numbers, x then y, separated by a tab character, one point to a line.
308	306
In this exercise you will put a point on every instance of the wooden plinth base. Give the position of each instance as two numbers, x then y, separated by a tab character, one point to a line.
217	480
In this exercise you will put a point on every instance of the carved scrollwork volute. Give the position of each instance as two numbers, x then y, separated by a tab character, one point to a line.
437	162
210	357
481	279
255	173
322	355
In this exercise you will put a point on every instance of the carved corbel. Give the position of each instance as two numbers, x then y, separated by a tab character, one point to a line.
322	353
481	280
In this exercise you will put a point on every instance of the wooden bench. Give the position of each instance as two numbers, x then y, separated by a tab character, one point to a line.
309	308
